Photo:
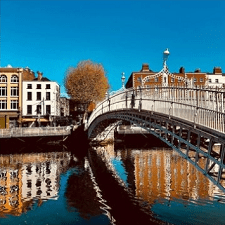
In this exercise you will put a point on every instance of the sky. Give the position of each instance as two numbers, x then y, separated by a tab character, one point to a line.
52	35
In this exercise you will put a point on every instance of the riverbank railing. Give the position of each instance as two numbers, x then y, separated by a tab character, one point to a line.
35	131
200	105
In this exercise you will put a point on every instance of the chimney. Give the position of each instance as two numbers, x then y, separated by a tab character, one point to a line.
217	70
198	71
182	70
145	67
39	75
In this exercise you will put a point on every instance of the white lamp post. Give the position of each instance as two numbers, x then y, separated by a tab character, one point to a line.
165	56
123	80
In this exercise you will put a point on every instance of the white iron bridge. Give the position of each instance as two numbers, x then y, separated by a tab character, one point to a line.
191	120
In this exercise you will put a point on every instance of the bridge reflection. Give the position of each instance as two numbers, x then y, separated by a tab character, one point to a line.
159	173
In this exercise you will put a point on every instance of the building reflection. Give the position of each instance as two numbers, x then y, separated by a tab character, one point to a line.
28	177
164	174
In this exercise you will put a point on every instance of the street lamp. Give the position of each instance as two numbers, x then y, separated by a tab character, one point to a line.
165	56
123	80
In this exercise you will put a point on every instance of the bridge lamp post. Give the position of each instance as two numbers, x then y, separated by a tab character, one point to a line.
123	80
165	76
165	56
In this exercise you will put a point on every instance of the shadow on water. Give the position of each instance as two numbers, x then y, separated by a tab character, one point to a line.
140	141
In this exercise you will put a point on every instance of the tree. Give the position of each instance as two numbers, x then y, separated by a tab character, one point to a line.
87	83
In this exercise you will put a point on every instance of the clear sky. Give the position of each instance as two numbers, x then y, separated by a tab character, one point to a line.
52	35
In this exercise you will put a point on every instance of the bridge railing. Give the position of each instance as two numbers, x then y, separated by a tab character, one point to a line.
202	106
34	131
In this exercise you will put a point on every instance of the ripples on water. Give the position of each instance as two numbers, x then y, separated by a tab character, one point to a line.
108	185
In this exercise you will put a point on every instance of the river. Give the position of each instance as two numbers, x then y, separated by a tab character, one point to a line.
105	185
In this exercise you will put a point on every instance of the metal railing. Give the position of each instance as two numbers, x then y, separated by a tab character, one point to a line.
35	131
201	106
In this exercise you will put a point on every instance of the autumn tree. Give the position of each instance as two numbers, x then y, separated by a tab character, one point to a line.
87	83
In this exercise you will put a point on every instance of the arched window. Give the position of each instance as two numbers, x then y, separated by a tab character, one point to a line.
3	79
14	79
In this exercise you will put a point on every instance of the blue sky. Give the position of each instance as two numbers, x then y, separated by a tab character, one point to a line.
52	35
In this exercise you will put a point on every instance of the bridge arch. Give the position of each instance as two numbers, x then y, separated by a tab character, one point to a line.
190	120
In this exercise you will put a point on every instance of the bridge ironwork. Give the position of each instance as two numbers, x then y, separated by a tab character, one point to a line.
190	120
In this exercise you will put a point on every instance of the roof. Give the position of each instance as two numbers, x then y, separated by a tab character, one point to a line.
42	79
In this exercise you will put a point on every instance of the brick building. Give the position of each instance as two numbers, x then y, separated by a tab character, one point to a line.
197	78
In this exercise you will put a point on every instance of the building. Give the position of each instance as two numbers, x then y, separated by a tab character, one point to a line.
10	94
41	101
217	78
64	106
147	78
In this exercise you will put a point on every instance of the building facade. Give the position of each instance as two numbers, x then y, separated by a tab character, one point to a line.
41	101
10	95
147	78
64	107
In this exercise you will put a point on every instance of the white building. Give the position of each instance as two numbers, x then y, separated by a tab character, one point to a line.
217	78
40	100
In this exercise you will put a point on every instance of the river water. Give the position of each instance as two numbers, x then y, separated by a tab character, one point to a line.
105	185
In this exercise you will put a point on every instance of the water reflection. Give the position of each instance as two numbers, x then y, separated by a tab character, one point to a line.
106	185
112	178
25	177
81	194
54	187
172	186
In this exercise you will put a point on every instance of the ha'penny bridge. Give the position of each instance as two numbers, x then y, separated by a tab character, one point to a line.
190	120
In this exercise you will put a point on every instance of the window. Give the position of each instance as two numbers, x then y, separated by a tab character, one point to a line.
164	79
148	80
201	80
29	109
48	86
217	80
210	80
14	91
38	109
195	80
38	95
29	96
47	95
14	104
48	109
14	79
38	86
172	80
29	86
179	79
139	79
3	79
3	91
3	104
156	79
